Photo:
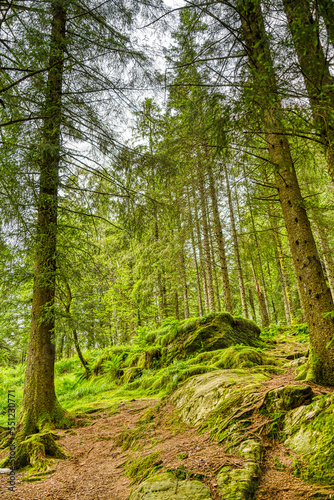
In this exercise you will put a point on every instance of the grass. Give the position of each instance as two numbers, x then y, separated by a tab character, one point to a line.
137	370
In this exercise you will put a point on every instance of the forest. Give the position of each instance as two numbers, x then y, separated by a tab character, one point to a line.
166	207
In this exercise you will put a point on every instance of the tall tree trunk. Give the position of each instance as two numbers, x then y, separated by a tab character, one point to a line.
207	258
184	282
159	277
315	295
40	407
326	254
251	302
214	270
260	297
286	295
60	347
193	246
67	305
221	244
236	248
201	259
198	282
257	246
176	301
272	294
315	68
326	8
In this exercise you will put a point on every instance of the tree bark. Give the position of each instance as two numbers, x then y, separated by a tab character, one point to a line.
215	277
201	259
221	244
184	282
315	295
315	68
286	295
67	305
207	258
326	254
326	8
251	302
236	248
40	407
193	246
176	301
259	260
198	282
260	297
159	277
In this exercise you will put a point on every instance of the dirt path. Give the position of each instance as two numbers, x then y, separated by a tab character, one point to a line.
94	470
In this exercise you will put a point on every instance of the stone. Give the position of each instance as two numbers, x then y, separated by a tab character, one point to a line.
250	450
300	434
240	484
286	398
298	362
215	331
237	484
200	395
167	487
309	431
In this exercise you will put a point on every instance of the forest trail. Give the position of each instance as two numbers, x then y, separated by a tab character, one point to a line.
97	464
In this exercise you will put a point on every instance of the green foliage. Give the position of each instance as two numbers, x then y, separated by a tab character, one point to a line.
139	367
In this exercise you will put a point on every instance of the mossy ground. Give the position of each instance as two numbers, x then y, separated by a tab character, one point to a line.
143	467
142	369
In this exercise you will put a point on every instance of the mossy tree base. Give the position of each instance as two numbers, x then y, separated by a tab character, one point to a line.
36	451
35	442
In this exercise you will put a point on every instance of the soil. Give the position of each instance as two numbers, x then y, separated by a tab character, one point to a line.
96	467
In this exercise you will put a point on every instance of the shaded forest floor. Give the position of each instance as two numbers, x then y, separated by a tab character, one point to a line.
105	442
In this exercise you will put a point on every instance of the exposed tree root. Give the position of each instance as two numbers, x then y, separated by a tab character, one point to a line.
36	451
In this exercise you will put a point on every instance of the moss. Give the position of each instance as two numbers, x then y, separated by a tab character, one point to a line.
215	331
150	414
36	477
35	451
205	356
311	433
286	398
223	423
128	438
242	357
143	467
166	486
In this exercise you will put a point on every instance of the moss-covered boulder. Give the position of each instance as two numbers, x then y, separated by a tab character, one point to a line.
200	395
309	430
286	398
240	484
215	331
167	487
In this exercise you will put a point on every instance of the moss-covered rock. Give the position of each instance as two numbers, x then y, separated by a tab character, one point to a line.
202	394
286	398
167	487
240	484
236	484
309	430
215	331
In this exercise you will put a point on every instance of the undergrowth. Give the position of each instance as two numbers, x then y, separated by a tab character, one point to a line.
142	368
